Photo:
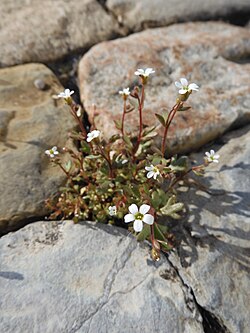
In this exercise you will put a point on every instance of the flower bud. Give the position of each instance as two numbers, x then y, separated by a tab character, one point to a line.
155	254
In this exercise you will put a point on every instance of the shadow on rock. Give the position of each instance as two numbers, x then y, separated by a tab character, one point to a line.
11	275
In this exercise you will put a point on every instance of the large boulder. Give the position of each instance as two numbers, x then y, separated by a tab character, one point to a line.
210	54
31	122
88	278
213	256
148	13
43	31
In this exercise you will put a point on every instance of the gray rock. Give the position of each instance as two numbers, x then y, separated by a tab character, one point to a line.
210	54
31	122
147	13
88	278
34	31
214	251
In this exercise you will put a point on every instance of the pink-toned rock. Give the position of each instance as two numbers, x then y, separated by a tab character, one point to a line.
210	54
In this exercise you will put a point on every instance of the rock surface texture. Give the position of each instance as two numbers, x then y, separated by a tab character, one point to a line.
31	121
147	13
42	31
214	254
210	54
88	278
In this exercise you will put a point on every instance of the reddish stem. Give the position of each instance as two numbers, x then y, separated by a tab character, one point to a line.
168	122
123	115
140	107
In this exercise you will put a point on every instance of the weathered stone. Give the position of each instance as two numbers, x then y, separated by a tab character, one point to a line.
206	53
88	278
31	122
34	31
148	13
214	251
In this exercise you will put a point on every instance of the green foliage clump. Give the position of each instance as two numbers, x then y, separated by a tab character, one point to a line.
107	180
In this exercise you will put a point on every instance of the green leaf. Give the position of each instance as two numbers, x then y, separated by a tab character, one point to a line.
164	246
114	137
198	173
148	130
128	141
68	166
85	147
171	208
161	119
158	232
180	164
184	108
144	234
93	157
158	198
118	124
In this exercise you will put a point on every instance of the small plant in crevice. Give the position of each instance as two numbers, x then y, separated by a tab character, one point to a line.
125	179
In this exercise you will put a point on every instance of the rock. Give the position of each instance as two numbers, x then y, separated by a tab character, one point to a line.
147	13
214	250
31	31
31	122
88	278
210	54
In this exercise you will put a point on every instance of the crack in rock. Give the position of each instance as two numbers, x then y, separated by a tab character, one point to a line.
210	323
118	265
125	29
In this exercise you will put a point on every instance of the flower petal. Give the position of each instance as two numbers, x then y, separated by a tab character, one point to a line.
178	85
184	81
148	218
216	156
133	209
129	218
149	71
182	91
193	86
207	154
212	152
156	174
150	174
144	209
138	225
139	71
149	168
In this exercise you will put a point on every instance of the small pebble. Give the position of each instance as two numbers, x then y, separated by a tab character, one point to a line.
40	84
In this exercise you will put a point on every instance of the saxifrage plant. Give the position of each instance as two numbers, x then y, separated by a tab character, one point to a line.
125	178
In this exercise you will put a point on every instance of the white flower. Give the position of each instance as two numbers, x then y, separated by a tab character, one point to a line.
139	216
185	87
153	171
66	94
124	92
212	156
124	161
52	152
92	135
112	210
145	73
